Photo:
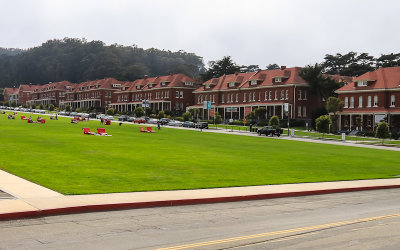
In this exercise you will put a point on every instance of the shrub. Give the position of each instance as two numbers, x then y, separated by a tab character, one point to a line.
274	122
395	135
187	116
161	114
139	112
67	108
322	123
180	118
51	107
236	122
382	131
110	111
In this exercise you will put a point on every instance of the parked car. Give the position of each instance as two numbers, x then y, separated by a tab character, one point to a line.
202	125
139	120
99	116
123	118
131	119
343	131
152	121
269	130
175	123
92	115
109	117
188	124
164	121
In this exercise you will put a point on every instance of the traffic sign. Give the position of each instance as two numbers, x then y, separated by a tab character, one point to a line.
244	121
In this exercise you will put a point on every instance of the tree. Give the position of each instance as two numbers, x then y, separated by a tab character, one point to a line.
382	131
389	60
110	111
138	112
334	105
320	85
68	108
14	104
322	124
272	66
161	114
148	111
274	122
225	66
51	107
33	106
186	116
260	113
218	118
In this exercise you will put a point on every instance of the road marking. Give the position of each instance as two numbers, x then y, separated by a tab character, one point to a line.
294	230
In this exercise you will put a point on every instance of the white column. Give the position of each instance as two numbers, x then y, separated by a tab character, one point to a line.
351	122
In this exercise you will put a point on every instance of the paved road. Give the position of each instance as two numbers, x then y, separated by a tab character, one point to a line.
176	226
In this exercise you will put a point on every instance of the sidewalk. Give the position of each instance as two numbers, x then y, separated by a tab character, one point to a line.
32	200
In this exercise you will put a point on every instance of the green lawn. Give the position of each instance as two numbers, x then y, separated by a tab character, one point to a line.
59	156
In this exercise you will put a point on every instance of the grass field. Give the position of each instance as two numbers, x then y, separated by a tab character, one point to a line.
59	156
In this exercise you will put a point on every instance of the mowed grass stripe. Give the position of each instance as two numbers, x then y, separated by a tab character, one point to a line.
57	155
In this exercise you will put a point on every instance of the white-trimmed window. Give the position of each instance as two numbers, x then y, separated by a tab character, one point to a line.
304	111
276	95
231	84
346	102
269	95
299	111
222	99
305	95
249	97
181	94
198	99
287	95
299	93
369	102
237	97
352	102
244	97
253	82
362	83
266	95
392	101
166	94
360	101
213	99
176	94
254	96
282	94
376	101
278	79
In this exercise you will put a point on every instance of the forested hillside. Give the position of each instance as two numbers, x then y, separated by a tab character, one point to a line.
78	60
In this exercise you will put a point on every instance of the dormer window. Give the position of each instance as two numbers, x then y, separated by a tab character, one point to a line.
116	85
362	83
163	84
188	83
207	86
231	84
138	87
278	79
150	85
253	82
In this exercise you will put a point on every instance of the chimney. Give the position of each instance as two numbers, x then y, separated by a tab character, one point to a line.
258	70
236	73
283	67
145	76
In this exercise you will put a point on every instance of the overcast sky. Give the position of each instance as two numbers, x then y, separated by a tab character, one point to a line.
286	32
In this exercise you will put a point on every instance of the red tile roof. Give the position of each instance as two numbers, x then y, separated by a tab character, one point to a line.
383	78
175	80
11	91
263	77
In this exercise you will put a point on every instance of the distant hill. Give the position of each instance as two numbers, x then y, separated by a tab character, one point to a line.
10	52
78	60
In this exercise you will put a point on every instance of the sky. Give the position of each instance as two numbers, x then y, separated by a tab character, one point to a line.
261	32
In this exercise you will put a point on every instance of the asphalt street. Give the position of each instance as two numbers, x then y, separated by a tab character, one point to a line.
357	220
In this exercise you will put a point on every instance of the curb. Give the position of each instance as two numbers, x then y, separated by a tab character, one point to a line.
166	203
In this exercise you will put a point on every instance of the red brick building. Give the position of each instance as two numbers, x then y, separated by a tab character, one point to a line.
91	94
235	96
51	93
11	95
170	93
370	98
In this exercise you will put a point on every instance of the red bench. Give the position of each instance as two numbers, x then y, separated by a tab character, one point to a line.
149	129
101	131
86	131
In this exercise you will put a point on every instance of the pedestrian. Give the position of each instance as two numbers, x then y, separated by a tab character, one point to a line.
101	121
158	125
56	117
251	126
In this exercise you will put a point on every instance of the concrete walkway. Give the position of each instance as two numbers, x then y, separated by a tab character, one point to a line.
33	200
